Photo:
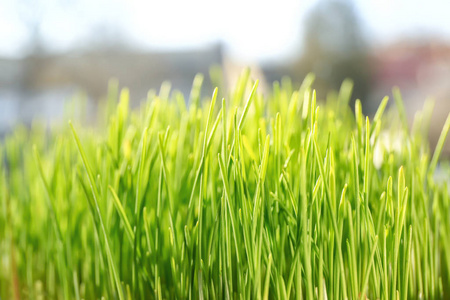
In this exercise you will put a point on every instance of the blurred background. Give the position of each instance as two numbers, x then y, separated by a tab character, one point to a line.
53	49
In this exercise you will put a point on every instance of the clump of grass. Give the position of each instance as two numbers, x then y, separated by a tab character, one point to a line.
247	197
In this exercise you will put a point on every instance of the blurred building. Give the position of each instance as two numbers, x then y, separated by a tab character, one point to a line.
37	85
421	69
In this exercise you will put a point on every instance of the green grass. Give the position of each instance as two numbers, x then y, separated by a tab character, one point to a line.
247	197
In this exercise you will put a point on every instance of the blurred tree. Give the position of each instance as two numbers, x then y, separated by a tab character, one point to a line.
335	48
31	13
70	24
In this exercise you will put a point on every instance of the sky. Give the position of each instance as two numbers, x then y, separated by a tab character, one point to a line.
256	30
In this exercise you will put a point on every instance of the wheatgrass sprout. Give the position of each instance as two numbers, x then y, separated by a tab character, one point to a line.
245	197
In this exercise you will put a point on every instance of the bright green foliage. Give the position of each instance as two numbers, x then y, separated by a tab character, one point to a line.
249	197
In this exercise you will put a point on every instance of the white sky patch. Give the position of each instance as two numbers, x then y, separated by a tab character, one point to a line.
251	30
390	19
13	33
